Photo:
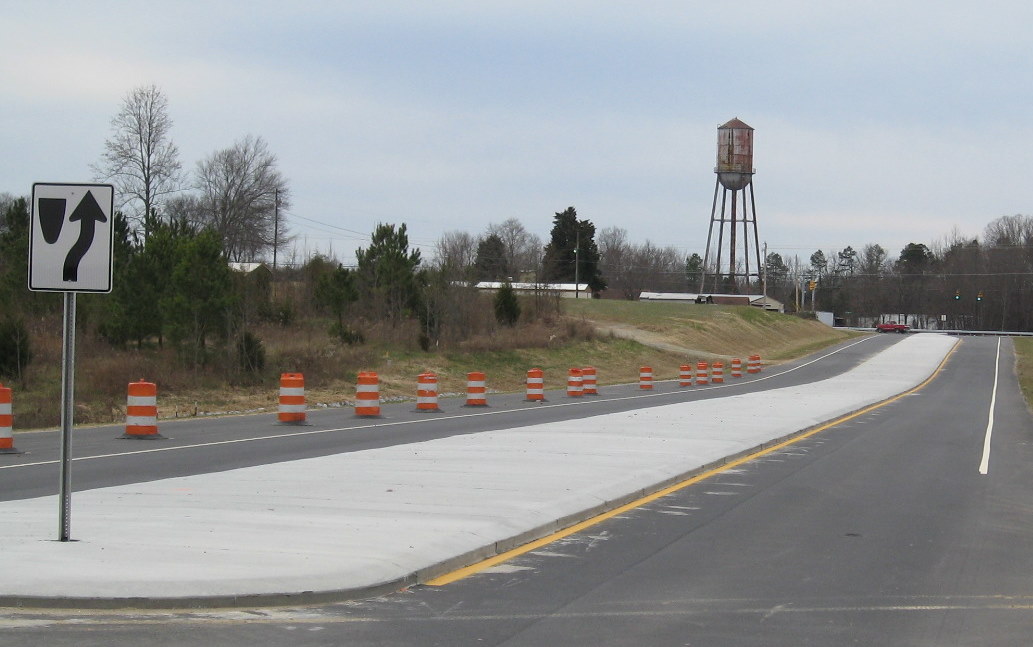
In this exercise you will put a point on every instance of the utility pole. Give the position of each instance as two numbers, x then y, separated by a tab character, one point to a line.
577	244
276	224
764	278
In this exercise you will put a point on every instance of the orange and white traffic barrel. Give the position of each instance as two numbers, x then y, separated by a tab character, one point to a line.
702	373
645	377
685	375
753	364
292	399
589	381
427	392
6	422
367	394
535	384
717	373
142	411
736	367
575	383
476	390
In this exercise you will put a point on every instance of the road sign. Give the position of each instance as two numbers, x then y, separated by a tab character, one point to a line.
71	237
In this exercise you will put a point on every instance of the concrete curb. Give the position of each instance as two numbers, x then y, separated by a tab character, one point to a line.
420	576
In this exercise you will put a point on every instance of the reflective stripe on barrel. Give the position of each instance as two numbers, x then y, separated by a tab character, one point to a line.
535	384
367	394
6	421
589	381
292	398
645	377
736	367
476	390
427	392
142	410
717	373
702	373
575	383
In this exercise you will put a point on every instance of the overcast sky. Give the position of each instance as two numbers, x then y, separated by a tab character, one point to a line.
876	122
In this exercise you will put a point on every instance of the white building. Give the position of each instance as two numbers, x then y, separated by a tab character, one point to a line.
755	300
564	290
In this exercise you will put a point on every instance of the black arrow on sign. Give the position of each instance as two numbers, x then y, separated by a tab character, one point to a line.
89	213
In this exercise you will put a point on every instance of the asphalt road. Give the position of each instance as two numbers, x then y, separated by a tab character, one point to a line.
878	531
195	446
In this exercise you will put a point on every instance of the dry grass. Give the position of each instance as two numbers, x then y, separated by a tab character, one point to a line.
662	336
1024	366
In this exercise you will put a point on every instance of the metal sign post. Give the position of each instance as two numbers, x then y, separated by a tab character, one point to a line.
67	399
63	258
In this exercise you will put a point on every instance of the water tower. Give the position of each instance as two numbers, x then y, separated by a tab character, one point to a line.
735	176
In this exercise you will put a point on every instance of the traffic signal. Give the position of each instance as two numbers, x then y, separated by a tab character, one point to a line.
811	285
979	297
957	295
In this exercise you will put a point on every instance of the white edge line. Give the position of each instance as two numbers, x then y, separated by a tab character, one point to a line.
984	464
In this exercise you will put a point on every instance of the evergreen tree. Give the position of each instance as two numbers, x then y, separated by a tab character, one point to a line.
490	264
388	279
14	250
200	296
336	291
507	308
572	254
694	271
114	321
149	278
15	347
15	296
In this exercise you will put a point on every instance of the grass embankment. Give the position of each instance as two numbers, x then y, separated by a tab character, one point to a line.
711	331
616	337
1024	365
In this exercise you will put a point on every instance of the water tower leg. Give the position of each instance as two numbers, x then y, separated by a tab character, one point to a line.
756	236
732	269
710	233
718	275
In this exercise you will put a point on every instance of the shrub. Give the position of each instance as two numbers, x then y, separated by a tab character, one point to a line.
507	308
347	334
282	312
250	353
15	349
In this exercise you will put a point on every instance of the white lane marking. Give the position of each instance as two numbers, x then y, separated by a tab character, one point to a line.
984	464
394	423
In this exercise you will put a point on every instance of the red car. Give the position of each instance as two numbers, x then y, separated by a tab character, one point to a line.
892	326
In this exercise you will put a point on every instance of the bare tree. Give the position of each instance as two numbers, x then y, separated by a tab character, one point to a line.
523	249
455	253
241	192
653	268
140	158
615	259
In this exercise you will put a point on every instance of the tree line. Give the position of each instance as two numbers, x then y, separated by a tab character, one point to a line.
174	286
959	283
236	192
175	236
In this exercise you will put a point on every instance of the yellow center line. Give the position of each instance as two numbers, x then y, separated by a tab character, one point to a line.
466	571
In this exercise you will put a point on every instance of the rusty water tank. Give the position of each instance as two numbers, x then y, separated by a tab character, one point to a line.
734	154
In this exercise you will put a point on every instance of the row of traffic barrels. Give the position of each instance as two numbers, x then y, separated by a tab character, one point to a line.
142	401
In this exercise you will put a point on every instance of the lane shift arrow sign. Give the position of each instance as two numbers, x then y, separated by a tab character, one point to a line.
88	213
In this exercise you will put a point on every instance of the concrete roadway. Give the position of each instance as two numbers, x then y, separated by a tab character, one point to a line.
878	531
197	446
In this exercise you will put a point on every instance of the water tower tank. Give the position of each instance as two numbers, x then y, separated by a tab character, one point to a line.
734	155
